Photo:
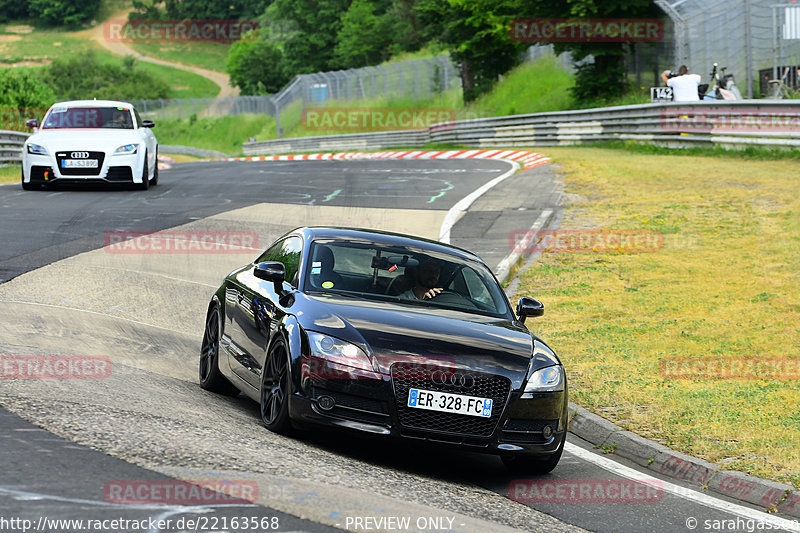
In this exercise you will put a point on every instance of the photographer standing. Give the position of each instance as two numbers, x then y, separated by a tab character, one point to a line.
684	85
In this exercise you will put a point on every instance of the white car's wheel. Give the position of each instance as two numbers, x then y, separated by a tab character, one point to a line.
145	184
26	186
154	181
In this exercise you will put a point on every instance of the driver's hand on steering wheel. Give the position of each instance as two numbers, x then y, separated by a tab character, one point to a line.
432	293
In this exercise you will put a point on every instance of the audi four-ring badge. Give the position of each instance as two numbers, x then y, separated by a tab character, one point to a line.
90	141
387	335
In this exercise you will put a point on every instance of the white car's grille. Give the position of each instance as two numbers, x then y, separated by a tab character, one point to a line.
64	158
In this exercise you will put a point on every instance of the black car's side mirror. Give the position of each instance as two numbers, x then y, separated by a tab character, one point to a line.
32	123
148	124
273	271
529	307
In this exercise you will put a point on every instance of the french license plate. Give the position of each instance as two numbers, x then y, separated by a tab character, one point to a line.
450	403
79	163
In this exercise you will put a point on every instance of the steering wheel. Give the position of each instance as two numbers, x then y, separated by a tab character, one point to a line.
448	296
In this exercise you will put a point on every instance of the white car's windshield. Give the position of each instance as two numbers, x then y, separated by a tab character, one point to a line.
89	117
404	274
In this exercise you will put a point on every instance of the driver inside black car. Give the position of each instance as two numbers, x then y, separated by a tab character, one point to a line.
425	282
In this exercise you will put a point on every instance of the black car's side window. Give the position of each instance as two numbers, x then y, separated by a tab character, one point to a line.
288	252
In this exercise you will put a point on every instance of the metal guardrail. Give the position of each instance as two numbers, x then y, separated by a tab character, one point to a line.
190	150
350	142
11	146
728	124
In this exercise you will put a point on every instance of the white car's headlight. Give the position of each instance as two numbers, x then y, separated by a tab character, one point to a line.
548	379
36	149
128	149
338	351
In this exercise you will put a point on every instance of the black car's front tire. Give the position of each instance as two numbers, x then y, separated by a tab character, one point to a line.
211	379
534	465
275	388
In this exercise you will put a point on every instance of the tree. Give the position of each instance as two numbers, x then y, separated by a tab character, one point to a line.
13	10
308	30
256	66
604	78
63	12
477	34
197	9
364	37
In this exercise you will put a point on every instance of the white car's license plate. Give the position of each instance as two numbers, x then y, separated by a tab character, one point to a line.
79	163
450	403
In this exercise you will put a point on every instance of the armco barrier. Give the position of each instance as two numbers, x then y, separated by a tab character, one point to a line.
190	150
11	146
729	124
363	142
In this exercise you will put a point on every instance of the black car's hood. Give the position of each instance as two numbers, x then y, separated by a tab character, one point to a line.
396	332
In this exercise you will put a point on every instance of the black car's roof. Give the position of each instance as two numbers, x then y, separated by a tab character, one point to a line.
384	238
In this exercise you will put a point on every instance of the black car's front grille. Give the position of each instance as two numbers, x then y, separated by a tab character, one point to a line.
354	407
81	171
526	431
405	377
120	174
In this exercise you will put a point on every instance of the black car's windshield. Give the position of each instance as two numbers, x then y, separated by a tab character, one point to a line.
89	117
406	275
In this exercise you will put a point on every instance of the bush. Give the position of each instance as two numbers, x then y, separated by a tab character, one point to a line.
22	96
86	77
63	12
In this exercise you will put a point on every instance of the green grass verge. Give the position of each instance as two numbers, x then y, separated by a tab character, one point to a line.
751	152
724	285
533	87
210	56
9	174
225	134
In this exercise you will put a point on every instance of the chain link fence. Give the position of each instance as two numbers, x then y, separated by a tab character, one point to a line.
184	108
754	39
416	79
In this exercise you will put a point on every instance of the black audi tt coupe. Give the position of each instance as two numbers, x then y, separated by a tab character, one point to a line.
391	335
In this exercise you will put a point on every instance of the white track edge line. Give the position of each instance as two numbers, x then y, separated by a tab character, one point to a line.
682	492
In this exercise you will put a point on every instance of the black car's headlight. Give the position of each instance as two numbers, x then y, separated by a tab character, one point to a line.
128	149
36	149
338	351
548	379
